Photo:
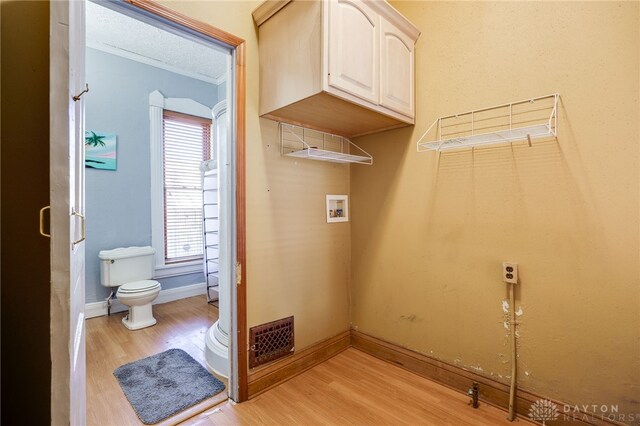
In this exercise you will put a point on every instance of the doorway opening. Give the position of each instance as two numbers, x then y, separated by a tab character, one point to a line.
164	166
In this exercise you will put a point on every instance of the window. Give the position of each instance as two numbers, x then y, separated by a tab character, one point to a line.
186	143
181	139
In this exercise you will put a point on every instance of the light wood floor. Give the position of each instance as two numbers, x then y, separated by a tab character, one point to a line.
181	324
354	388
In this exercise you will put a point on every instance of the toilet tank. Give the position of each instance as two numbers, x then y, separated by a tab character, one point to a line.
127	264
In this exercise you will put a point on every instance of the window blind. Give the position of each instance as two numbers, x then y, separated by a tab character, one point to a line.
187	142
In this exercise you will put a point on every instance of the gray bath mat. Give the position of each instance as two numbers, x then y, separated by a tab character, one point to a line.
165	384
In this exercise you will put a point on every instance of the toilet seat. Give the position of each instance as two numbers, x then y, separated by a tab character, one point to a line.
138	287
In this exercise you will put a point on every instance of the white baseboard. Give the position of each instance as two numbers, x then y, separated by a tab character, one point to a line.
98	309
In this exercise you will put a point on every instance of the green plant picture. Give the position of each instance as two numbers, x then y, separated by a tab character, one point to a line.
100	150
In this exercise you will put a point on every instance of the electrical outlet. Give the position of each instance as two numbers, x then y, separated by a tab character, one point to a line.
510	272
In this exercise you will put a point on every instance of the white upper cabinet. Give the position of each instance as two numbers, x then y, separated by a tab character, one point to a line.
341	66
354	49
396	70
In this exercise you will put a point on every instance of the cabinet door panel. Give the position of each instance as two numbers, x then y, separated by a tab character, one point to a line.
397	70
354	49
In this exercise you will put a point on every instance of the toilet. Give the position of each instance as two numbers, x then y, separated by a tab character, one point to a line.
130	269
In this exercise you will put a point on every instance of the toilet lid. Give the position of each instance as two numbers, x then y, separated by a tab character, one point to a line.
138	286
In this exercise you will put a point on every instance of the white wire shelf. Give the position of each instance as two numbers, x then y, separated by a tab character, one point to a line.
210	223
301	142
529	120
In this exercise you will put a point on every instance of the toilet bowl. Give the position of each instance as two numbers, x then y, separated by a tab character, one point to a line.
138	296
130	269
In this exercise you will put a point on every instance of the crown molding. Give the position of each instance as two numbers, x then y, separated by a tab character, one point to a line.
267	9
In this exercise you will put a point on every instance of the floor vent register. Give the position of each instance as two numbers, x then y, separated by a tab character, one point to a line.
270	341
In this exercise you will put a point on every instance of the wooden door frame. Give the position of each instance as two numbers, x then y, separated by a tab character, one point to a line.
238	45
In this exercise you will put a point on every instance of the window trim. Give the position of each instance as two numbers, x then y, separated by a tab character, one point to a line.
157	104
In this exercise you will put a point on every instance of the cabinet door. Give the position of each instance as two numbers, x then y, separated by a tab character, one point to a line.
396	70
354	49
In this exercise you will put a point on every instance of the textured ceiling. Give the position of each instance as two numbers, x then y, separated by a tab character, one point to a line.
119	34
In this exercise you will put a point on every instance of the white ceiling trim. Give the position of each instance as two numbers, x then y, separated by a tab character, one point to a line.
154	63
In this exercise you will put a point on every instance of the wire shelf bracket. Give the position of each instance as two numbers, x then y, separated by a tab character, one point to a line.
529	119
301	142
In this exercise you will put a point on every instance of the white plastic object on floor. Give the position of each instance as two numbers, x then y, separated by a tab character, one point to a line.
218	235
217	350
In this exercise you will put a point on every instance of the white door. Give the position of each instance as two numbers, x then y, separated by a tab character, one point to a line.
396	70
353	48
66	127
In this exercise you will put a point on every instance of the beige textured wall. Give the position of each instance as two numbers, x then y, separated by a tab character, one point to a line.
297	264
429	231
